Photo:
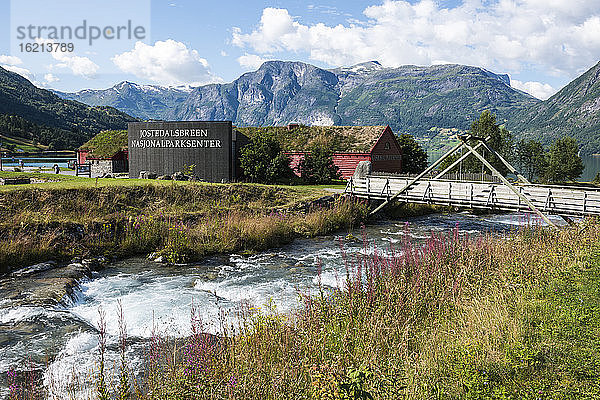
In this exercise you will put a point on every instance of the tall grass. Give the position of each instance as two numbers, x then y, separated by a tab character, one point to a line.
454	317
181	222
177	238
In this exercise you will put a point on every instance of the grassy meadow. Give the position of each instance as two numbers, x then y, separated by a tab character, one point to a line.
181	221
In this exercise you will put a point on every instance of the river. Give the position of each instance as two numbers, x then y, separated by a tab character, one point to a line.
63	339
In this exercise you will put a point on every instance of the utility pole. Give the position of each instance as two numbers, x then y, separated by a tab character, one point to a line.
1	155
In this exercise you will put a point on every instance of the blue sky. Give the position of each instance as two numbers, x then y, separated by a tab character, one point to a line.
541	44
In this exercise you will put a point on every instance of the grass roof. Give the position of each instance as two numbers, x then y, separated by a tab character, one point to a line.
334	138
106	144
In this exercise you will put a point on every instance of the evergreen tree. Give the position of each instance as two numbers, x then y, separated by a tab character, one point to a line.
500	141
414	158
531	158
317	167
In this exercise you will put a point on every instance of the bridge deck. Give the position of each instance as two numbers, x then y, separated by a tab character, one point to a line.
568	201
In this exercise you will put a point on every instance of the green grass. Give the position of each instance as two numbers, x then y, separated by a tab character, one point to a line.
184	221
106	143
21	144
53	181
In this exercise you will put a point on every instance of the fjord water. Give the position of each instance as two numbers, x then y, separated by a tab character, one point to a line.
158	299
592	167
36	162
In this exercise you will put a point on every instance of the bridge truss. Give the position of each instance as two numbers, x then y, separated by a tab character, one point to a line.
519	196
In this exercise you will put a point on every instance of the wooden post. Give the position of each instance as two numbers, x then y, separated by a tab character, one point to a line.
422	174
510	167
471	197
510	186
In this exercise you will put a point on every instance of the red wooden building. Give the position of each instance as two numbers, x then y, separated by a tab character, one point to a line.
115	163
106	153
381	146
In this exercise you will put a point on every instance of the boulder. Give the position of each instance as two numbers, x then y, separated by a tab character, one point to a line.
180	176
160	260
362	170
41	267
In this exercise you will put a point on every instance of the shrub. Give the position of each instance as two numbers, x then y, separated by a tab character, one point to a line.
317	167
263	161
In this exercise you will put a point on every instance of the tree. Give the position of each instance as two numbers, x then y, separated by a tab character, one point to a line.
500	141
414	158
563	161
263	161
317	167
531	158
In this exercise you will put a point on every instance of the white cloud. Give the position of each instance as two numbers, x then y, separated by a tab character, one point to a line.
10	60
50	78
81	66
556	36
167	62
537	89
251	61
18	70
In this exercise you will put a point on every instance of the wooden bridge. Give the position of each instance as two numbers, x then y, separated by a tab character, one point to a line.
560	200
566	201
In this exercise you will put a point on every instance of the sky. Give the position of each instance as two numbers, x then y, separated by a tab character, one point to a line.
541	44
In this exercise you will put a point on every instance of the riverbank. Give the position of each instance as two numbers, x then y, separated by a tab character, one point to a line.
481	318
179	222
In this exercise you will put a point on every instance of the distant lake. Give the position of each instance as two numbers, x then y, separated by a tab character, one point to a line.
592	167
36	162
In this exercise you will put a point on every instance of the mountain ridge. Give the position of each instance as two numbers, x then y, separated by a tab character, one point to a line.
280	92
38	114
574	111
433	103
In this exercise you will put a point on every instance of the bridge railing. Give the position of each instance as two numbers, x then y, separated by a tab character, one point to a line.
550	199
465	176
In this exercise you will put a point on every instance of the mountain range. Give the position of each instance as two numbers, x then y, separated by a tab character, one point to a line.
572	111
41	116
432	103
425	101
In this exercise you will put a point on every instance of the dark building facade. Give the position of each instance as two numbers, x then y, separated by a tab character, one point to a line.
211	147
